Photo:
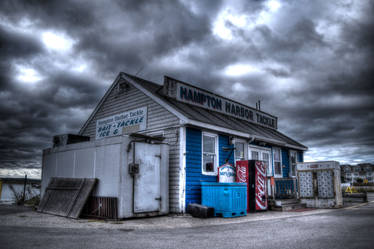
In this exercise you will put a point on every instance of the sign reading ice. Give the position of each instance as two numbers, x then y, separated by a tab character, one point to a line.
123	123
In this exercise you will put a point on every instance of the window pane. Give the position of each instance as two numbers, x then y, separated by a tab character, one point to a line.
239	151
254	155
208	144
277	168
265	157
276	155
293	169
293	157
208	162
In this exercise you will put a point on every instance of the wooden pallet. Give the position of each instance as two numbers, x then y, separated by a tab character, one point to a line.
230	214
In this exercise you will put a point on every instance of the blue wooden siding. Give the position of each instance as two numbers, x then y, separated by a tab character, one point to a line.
194	176
223	141
300	156
285	162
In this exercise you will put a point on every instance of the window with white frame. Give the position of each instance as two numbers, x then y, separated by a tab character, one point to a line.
293	161
266	159
277	159
239	151
255	155
210	153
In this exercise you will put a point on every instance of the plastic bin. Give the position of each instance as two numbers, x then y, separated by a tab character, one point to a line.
227	199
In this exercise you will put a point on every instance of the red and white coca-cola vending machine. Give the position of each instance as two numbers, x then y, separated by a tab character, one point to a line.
253	172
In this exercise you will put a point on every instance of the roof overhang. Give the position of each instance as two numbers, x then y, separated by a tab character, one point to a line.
243	134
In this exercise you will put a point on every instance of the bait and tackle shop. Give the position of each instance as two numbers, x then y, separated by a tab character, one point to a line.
204	131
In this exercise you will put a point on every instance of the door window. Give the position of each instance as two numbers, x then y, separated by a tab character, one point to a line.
293	161
266	159
263	154
239	151
254	155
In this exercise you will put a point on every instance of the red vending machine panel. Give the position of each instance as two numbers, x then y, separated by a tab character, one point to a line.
242	176
253	172
260	185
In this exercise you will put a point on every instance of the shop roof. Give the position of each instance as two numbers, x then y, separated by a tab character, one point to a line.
218	119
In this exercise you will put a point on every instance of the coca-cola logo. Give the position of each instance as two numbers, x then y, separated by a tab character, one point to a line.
260	185
241	173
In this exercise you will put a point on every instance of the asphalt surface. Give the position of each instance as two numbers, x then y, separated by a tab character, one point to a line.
342	228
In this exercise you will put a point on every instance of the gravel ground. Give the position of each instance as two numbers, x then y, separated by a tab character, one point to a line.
28	217
350	227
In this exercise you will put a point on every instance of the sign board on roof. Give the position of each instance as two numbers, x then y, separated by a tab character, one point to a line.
123	123
198	97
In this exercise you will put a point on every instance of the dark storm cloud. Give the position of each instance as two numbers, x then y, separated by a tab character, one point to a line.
75	15
313	61
118	37
15	45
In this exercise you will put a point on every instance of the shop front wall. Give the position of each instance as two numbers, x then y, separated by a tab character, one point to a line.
194	175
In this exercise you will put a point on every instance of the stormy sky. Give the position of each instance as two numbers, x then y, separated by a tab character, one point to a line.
311	63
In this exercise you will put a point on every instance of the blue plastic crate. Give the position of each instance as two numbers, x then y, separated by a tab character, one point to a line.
227	199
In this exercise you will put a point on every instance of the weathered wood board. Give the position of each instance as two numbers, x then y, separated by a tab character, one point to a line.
66	196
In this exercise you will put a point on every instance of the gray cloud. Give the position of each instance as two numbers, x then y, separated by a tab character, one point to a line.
313	61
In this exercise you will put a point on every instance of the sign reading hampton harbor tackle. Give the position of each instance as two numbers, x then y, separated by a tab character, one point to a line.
194	96
123	123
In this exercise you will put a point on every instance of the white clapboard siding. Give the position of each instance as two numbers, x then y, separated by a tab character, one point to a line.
159	121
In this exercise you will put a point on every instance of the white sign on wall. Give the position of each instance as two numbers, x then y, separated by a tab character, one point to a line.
123	123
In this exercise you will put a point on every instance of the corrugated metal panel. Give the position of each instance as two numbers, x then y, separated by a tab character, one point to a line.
222	120
285	162
219	119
